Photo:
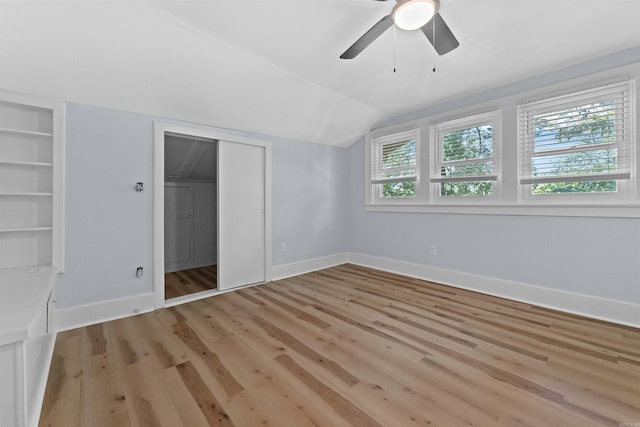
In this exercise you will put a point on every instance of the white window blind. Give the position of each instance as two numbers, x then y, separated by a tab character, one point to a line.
464	158
585	137
394	159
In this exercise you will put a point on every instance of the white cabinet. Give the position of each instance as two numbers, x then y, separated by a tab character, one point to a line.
190	226
31	171
31	249
26	342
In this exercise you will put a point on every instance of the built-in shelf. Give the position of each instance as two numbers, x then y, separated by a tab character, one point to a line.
26	194
26	132
31	181
26	164
25	229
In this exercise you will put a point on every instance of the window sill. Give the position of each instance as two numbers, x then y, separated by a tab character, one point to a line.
586	210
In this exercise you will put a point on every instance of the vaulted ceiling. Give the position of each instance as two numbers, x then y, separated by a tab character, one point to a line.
272	66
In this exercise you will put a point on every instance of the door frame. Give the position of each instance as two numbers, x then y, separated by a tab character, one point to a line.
160	129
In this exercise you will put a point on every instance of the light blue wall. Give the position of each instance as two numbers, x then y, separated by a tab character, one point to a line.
310	194
109	226
592	256
318	210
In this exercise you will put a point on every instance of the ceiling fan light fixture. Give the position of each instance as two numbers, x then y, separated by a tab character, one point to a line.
413	14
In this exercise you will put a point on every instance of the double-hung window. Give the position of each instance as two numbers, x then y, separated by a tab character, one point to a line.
393	167
465	159
577	147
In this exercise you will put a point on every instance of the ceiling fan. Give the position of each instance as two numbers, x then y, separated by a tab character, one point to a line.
410	15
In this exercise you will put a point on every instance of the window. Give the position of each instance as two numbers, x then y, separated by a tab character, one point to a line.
569	153
464	158
577	147
394	166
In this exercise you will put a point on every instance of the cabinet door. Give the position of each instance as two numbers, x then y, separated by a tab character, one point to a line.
12	409
205	240
178	207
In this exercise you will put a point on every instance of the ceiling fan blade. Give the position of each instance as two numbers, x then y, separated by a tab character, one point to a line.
367	38
445	41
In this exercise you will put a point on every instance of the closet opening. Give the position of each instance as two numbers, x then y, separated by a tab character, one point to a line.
190	216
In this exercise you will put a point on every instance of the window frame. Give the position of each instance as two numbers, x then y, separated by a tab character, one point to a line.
625	186
373	143
437	132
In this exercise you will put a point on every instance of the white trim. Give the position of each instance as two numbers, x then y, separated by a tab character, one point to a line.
586	305
308	265
594	210
58	210
103	311
159	130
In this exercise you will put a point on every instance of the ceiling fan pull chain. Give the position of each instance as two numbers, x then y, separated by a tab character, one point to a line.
433	29
394	48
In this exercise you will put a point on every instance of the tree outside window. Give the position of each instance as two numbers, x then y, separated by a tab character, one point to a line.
575	141
467	153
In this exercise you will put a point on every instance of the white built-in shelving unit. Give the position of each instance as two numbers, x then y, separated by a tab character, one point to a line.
30	182
31	249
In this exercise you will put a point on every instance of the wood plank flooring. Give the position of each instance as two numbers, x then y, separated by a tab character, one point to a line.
347	346
187	282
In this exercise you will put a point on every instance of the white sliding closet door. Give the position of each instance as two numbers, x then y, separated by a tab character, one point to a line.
241	214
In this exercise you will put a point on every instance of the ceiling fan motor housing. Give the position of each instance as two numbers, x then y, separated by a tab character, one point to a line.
413	14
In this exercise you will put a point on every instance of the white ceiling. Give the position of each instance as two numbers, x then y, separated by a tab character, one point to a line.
272	67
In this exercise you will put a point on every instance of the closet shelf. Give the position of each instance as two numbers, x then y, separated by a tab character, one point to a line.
26	132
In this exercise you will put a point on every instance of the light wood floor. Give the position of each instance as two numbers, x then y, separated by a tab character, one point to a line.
187	282
347	346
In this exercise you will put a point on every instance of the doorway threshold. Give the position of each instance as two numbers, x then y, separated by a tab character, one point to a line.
204	294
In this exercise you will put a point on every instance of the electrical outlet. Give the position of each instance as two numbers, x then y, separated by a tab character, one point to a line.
433	250
284	248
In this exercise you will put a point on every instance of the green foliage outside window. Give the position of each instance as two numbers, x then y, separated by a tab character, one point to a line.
589	126
398	160
466	188
574	187
467	144
399	189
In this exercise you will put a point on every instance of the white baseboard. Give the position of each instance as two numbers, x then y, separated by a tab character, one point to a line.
103	311
307	266
586	305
